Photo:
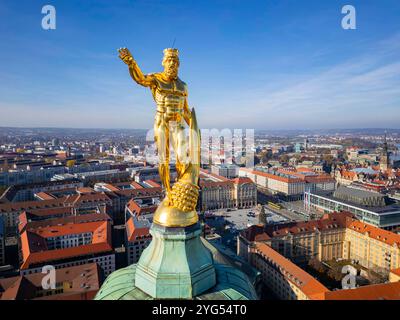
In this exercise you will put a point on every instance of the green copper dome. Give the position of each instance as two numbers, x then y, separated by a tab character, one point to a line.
230	283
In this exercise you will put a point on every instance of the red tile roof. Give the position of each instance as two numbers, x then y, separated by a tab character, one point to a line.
134	232
274	176
136	185
79	283
208	183
30	205
39	214
396	271
375	232
16	288
45	196
349	175
213	175
134	193
34	247
133	206
242	180
78	199
311	287
66	201
384	291
72	219
152	183
319	179
84	190
329	221
304	169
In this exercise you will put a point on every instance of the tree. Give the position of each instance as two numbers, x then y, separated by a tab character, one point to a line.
328	159
316	265
262	217
335	274
264	156
284	158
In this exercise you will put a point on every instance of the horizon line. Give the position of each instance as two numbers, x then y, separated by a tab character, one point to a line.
258	129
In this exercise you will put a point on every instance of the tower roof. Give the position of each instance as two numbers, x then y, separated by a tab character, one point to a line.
231	284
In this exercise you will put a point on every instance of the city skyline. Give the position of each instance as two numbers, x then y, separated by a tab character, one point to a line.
274	65
269	170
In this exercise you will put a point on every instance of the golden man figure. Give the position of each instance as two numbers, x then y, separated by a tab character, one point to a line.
178	209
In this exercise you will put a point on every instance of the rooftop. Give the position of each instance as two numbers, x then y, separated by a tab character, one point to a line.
78	283
362	197
143	205
384	291
27	224
30	205
35	249
136	228
376	233
311	287
328	221
387	209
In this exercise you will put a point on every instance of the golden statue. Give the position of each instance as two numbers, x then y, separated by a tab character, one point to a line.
178	209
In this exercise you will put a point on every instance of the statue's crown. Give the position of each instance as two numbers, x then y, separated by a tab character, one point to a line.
171	52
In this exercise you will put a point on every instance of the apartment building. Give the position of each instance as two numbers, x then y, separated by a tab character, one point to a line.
78	203
10	211
217	192
281	276
138	217
275	182
334	236
26	192
67	242
138	237
229	171
72	283
322	239
289	182
374	248
287	281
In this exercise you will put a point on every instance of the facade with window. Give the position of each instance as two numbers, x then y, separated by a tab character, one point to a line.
286	280
66	244
385	217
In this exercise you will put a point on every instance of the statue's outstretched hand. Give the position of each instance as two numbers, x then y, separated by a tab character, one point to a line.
125	55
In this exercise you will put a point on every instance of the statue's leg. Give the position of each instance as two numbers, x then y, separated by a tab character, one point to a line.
161	136
185	192
181	149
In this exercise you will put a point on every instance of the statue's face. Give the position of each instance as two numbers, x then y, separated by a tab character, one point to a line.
171	65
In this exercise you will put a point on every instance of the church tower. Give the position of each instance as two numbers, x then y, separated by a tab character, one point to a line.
384	161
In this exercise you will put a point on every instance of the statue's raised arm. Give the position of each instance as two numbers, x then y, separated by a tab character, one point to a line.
134	70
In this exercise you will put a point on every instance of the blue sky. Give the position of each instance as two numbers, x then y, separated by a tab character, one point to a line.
271	64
